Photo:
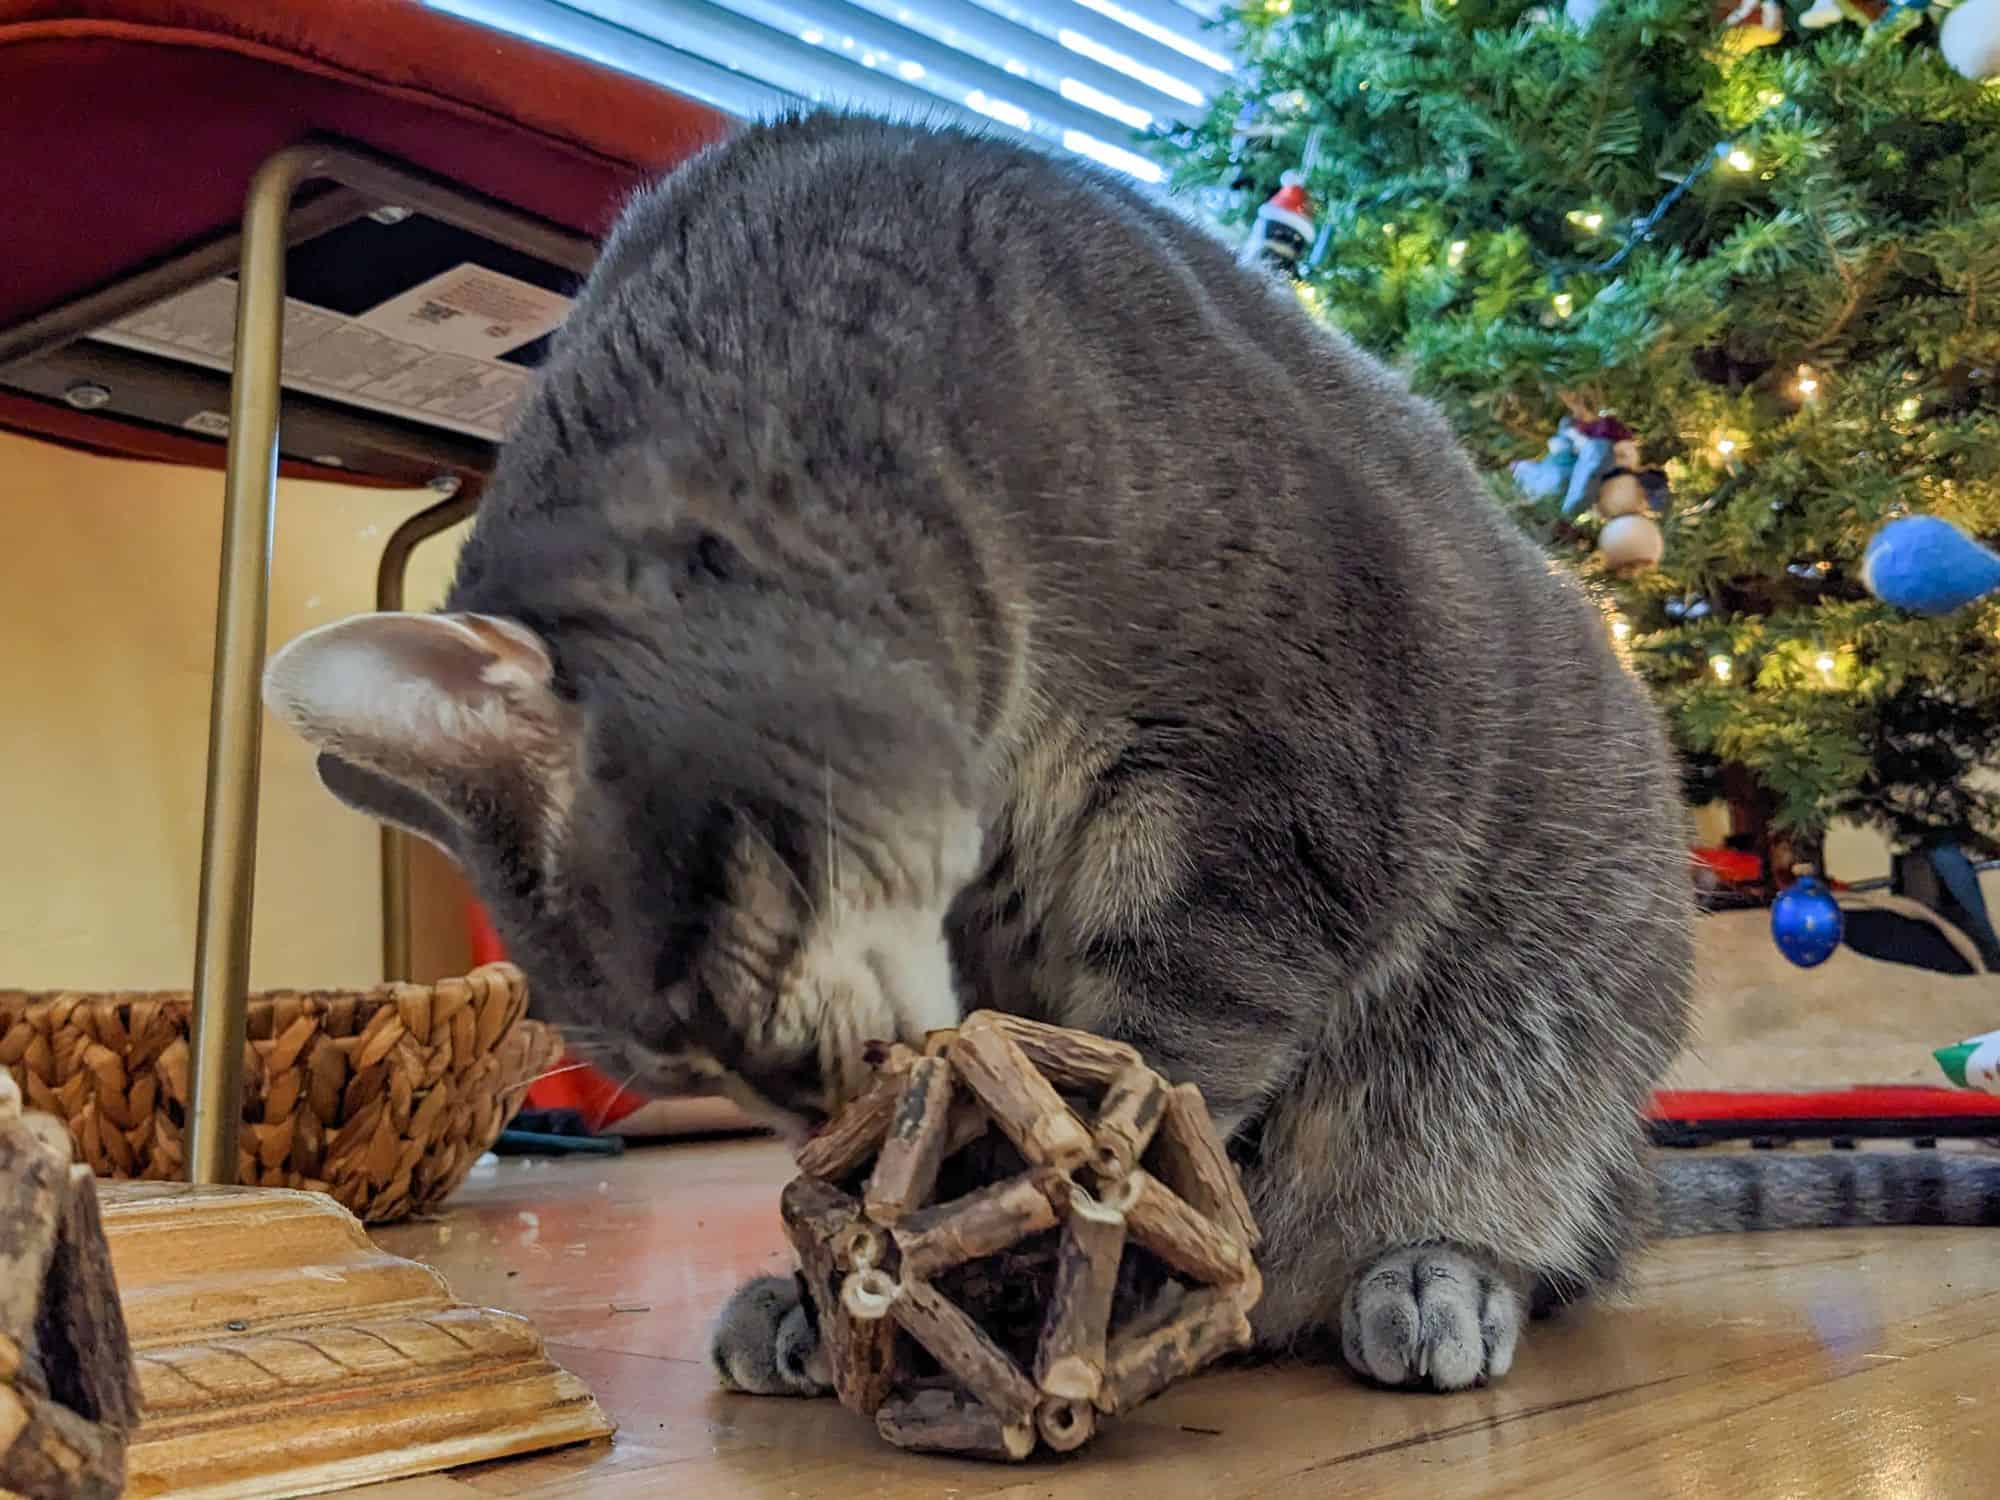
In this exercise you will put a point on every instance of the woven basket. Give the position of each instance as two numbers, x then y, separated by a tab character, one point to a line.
383	1099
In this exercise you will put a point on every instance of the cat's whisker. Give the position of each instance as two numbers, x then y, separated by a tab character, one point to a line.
777	859
604	1114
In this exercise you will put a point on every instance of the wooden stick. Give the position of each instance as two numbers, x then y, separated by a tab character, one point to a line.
1167	1225
1065	1425
962	1347
1127	1119
1021	1101
859	1351
907	1169
69	1396
1190	1159
82	1308
967	1124
1208	1325
934	1421
35	1154
853	1135
1069	1360
1069	1059
950	1234
868	1294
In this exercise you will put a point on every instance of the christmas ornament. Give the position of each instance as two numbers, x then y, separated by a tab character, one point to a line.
1805	922
1597	442
1622	493
1631	543
1546	477
1689	609
1973	1063
1751	24
1969	38
1283	232
1928	566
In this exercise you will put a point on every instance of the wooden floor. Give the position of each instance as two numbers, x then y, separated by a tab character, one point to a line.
1809	1367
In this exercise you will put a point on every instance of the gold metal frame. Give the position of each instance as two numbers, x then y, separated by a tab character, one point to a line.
391	580
229	826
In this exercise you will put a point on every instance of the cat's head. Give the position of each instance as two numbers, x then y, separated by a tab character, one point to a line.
704	878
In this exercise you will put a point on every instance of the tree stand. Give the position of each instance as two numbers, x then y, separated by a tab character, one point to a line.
1016	1233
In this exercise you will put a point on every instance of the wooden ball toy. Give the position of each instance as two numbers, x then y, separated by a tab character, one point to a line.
1017	1234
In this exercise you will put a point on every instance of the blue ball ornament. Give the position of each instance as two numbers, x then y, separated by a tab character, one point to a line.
1928	566
1805	922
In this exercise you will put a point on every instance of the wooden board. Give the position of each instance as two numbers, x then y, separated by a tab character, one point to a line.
281	1353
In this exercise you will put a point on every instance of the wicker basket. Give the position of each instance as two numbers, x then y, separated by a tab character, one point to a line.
383	1099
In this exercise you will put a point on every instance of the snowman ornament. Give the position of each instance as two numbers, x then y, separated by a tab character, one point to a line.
1631	540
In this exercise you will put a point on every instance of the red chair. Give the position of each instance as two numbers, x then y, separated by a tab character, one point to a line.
149	147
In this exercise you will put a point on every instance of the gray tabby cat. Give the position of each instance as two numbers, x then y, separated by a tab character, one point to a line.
928	575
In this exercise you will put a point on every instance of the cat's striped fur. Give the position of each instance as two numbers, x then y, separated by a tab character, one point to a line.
921	557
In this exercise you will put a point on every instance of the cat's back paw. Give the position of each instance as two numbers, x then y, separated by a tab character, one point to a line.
765	1342
1430	1318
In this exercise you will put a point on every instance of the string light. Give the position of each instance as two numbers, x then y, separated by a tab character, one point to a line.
1455	255
1721	666
1389	230
1621	631
1909	409
1563	303
1740	159
1591	221
1770	98
1825	663
1277	7
1725	446
1808	382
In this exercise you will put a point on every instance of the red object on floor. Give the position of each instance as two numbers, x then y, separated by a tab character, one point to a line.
1872	1101
572	1084
1732	865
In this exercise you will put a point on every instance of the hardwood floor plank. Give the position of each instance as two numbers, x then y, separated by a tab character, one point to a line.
1857	1364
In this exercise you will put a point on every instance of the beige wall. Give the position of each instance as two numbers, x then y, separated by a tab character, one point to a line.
107	580
107	584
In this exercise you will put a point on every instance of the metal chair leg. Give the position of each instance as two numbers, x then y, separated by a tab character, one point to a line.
235	710
391	580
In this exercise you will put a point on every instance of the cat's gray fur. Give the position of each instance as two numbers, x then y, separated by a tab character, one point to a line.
915	540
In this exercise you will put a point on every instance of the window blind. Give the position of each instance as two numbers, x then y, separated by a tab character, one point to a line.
1071	75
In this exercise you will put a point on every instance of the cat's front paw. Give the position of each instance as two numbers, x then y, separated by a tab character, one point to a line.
766	1344
1430	1318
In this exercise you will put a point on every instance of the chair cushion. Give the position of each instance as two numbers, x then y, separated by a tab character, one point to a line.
133	126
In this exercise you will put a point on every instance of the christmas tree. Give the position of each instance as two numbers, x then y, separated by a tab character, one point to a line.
1762	243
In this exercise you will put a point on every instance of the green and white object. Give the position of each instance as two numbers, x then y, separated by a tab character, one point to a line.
1973	1064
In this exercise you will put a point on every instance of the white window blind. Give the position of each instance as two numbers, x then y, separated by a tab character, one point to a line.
1071	75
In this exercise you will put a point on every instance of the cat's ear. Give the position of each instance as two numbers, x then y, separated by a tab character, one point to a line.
390	802
434	704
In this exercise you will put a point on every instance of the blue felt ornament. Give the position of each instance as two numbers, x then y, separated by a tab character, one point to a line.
1548	476
1596	444
1928	566
1805	922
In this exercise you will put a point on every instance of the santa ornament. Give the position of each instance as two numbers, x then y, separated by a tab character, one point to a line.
1284	229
